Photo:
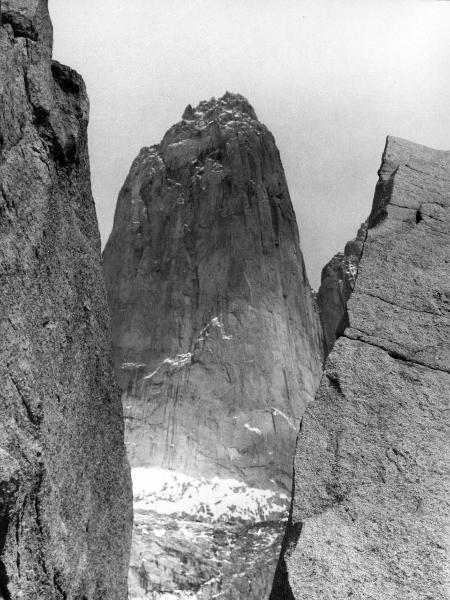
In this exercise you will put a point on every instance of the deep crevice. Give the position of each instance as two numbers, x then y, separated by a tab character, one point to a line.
4	526
281	588
58	585
4	579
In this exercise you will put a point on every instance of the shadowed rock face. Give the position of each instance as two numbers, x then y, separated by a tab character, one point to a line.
370	503
217	343
65	492
216	338
337	283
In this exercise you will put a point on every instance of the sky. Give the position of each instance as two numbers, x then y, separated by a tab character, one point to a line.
330	78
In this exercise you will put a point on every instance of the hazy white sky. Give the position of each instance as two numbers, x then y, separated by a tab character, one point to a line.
330	78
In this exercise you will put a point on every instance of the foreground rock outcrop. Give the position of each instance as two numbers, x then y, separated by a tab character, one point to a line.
65	490
217	341
370	503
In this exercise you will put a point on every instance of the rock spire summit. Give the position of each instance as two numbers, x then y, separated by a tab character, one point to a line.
217	338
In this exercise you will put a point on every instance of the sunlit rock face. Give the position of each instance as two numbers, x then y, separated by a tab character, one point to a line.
65	488
217	340
215	333
370	505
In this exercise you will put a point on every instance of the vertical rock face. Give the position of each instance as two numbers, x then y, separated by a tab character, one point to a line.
337	283
370	504
214	329
216	337
65	493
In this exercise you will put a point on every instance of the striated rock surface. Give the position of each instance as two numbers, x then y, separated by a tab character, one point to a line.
215	333
65	490
217	340
369	515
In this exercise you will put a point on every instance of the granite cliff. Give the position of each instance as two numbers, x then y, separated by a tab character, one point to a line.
65	489
370	501
217	340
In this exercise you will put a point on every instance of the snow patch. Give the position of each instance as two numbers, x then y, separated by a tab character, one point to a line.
181	143
132	365
172	493
253	429
150	375
279	413
159	532
217	323
179	361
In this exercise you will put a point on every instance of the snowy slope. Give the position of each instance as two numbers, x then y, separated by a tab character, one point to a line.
200	539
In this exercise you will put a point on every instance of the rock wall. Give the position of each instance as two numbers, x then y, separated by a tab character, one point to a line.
216	337
217	344
65	491
370	503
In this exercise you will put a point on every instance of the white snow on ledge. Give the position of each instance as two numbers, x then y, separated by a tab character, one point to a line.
132	365
170	493
253	429
179	361
276	412
215	322
183	360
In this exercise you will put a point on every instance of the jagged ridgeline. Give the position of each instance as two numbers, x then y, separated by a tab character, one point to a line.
217	340
370	510
65	489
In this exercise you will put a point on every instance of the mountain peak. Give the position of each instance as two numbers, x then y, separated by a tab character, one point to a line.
230	103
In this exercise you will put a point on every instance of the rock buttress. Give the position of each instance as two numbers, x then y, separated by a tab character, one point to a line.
65	492
370	505
217	344
215	332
